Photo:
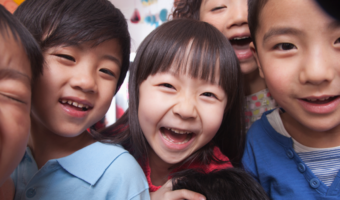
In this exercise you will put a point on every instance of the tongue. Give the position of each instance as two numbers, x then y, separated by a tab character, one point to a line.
174	137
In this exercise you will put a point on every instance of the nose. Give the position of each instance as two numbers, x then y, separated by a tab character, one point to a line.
185	108
238	13
84	79
317	67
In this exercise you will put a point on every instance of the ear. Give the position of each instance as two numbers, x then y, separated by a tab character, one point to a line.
254	51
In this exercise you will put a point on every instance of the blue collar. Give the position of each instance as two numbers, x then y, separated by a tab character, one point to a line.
90	162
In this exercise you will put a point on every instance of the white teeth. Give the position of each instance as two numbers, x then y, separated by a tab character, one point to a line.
321	99
178	131
240	38
75	104
172	141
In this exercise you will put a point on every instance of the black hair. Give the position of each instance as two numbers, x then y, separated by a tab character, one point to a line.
231	184
189	9
73	22
254	9
183	43
10	25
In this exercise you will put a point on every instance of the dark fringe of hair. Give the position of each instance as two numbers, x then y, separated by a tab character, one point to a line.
189	9
10	25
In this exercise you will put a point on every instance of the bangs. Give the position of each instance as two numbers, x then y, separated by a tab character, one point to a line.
197	59
197	49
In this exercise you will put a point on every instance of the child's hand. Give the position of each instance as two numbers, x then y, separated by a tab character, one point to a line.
166	193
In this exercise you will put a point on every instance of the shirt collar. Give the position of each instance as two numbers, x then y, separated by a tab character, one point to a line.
90	162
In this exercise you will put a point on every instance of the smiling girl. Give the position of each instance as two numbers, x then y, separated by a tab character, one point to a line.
186	103
230	18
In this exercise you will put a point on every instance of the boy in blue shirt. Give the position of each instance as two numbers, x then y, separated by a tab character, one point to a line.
294	151
86	48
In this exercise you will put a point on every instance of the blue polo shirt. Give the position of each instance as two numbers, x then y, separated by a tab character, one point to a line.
98	171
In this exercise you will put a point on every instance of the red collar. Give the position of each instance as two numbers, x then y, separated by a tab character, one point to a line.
212	166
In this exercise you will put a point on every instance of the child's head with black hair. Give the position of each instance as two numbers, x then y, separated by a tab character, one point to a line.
20	63
185	96
228	184
86	47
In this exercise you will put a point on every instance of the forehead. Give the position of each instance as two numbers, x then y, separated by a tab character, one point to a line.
292	17
13	58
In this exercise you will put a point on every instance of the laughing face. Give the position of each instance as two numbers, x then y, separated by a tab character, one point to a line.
15	103
298	55
76	88
230	17
179	114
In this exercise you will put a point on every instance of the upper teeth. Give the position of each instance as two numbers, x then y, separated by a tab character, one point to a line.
75	104
322	99
240	38
178	131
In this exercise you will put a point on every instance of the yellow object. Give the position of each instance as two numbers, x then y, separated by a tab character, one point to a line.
18	1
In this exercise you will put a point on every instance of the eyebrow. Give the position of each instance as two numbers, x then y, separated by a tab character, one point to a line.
15	75
281	31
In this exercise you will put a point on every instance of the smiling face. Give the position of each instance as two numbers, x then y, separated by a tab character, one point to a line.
230	17
15	103
298	50
76	88
179	114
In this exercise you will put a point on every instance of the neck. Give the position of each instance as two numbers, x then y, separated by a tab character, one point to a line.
311	138
46	145
253	83
160	170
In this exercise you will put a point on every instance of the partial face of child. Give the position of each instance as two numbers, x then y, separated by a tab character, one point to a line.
298	50
15	103
77	86
179	114
230	17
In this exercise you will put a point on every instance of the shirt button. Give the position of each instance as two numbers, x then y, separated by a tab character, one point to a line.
301	167
290	154
314	183
30	193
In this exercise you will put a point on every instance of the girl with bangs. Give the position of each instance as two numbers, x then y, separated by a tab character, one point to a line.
186	105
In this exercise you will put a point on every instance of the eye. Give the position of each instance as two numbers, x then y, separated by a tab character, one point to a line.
67	57
285	46
13	99
209	94
106	71
337	41
167	85
218	8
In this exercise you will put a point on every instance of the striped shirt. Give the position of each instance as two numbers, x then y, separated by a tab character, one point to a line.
323	162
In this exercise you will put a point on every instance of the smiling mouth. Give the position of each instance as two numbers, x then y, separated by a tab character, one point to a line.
176	136
320	100
240	41
78	106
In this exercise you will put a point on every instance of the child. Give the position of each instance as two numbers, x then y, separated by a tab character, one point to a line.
294	151
20	62
86	47
228	184
185	104
230	17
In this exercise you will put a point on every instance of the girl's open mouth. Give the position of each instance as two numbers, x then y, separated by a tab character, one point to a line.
176	136
241	47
